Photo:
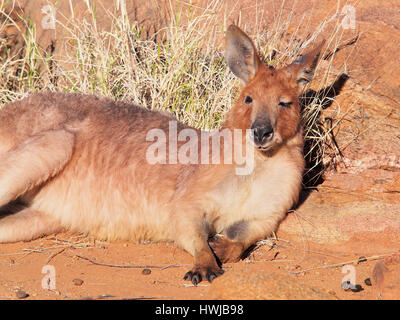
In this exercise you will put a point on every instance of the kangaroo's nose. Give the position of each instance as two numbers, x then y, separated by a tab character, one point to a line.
262	133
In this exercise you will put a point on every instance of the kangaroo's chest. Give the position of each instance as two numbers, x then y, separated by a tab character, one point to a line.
271	190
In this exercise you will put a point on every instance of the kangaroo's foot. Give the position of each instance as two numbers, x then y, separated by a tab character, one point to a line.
205	268
225	249
191	235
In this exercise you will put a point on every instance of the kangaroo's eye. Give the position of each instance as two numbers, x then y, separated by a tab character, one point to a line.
248	100
284	104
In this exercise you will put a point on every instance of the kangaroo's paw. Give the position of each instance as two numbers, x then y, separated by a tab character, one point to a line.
199	273
205	267
226	250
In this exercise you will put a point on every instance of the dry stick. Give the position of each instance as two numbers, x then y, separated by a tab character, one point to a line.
54	254
139	298
27	251
127	265
194	285
175	266
107	296
343	263
11	254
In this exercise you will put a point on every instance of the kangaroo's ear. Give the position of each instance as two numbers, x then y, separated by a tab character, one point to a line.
304	66
241	54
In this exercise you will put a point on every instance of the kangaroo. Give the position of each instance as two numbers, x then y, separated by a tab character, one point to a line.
78	162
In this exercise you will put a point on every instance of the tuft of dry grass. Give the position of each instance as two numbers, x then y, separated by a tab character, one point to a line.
185	73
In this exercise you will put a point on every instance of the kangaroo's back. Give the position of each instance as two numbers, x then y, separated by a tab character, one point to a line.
81	113
91	152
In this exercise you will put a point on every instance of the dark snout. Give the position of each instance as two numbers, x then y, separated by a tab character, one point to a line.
262	132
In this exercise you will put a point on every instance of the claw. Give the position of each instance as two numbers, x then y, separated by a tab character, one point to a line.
197	276
188	275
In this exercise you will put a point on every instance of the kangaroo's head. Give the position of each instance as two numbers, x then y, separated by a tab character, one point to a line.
268	103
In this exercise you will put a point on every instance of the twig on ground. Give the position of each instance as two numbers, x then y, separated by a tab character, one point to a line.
175	266
54	254
109	296
336	265
140	298
28	251
12	254
127	265
194	285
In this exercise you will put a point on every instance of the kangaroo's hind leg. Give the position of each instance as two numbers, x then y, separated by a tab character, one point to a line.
33	161
27	224
236	241
25	166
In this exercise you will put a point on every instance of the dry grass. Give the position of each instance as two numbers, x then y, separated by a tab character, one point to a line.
185	74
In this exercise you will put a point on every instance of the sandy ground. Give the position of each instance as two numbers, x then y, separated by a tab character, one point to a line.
352	220
24	266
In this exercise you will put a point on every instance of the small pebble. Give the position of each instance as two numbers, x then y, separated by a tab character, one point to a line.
21	294
146	271
357	288
368	282
77	282
347	285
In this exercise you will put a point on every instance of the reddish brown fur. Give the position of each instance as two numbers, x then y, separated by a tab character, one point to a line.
78	162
